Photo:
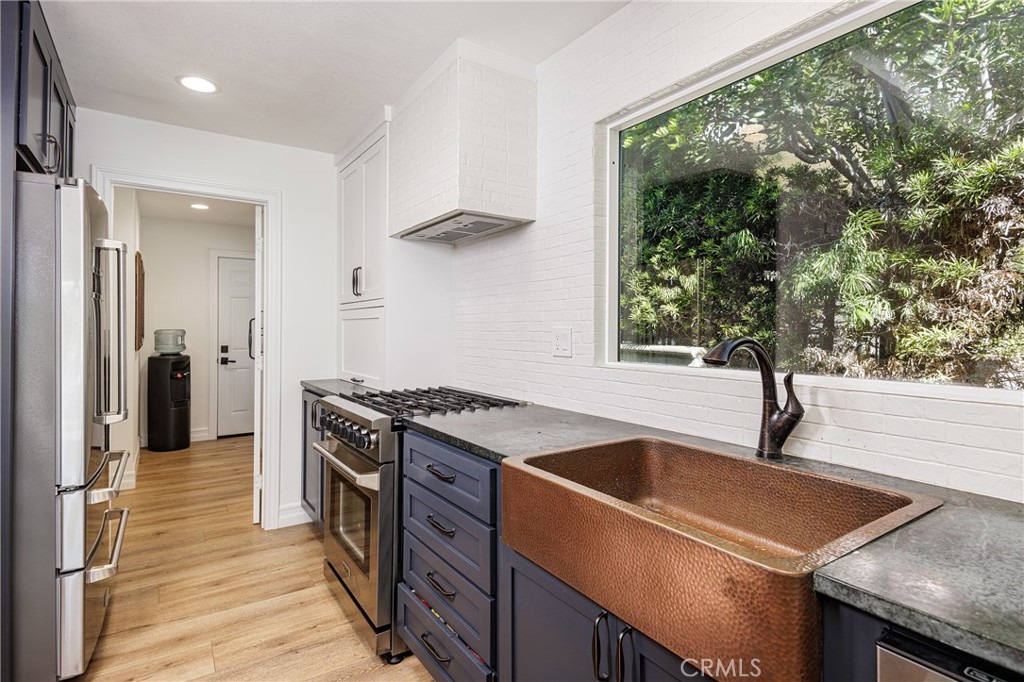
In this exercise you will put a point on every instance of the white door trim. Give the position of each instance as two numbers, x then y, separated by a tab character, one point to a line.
215	256
105	178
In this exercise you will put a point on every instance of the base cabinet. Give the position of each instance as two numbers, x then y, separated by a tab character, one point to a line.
446	599
312	463
550	632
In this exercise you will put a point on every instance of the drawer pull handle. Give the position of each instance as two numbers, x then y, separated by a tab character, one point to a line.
447	478
443	660
437	586
450	532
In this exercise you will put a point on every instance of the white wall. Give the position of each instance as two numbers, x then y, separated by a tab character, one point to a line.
512	288
125	436
305	180
176	256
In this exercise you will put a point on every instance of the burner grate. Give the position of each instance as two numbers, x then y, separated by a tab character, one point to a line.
424	401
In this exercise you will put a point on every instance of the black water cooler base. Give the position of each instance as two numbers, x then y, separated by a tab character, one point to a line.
170	393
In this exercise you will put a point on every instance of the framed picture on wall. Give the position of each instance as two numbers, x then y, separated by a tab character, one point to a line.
140	301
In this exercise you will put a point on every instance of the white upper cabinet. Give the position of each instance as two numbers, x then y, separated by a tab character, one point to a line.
463	146
362	221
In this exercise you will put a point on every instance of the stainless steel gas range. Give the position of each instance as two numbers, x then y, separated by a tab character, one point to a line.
361	456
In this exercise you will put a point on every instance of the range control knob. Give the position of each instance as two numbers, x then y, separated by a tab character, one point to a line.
373	439
363	438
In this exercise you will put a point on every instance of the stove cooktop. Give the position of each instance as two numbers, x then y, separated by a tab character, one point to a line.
425	401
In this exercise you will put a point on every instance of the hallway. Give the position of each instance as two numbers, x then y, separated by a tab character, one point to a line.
203	594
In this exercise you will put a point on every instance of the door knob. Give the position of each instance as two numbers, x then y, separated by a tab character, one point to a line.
225	361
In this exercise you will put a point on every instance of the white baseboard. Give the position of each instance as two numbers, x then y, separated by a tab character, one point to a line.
291	515
202	434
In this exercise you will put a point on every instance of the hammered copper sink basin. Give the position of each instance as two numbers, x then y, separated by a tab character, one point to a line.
710	554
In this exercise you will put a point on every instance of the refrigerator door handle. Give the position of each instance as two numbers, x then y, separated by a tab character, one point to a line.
104	494
98	573
105	413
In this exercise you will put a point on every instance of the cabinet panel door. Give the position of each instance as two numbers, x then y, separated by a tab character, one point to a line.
375	199
644	660
59	108
350	224
362	206
361	346
546	628
36	57
312	464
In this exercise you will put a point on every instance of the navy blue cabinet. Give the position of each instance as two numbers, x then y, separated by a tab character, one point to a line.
551	632
312	463
447	603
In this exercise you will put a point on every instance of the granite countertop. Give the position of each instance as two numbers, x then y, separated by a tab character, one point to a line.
955	575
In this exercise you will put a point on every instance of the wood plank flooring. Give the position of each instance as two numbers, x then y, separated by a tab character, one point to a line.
203	594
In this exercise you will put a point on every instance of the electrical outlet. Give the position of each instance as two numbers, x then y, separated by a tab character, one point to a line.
561	342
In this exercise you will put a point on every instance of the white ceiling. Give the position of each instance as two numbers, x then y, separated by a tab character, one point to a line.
305	74
171	206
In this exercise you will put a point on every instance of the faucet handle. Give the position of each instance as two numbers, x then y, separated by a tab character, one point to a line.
793	406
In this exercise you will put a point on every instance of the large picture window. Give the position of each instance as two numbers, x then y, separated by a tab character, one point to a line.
858	208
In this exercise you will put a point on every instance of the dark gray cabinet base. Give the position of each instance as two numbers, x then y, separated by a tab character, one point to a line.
549	632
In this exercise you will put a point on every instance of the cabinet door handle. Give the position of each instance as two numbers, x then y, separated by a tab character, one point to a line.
357	380
595	647
620	663
443	660
353	282
437	586
447	478
355	278
313	413
59	160
450	532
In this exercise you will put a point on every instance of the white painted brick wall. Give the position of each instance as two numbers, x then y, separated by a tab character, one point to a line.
513	287
468	141
423	150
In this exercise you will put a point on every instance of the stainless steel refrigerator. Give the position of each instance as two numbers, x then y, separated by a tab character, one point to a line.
69	386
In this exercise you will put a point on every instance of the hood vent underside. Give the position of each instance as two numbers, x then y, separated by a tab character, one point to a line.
461	226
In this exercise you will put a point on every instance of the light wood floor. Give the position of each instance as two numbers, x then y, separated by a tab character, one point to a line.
203	594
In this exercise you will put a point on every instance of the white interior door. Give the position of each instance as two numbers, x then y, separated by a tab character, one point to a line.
236	345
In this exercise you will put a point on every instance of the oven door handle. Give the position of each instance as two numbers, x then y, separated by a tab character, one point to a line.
364	481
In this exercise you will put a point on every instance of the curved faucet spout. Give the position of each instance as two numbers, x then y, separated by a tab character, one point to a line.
776	422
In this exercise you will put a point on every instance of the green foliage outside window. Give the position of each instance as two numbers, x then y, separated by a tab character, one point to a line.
858	208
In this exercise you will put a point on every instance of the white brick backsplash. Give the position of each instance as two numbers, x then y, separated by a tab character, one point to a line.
512	288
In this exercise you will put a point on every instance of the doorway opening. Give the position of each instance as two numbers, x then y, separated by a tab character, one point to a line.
198	266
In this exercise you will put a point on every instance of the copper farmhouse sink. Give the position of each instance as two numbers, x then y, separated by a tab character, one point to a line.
710	554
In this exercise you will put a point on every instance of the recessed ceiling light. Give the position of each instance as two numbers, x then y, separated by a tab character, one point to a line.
200	207
198	84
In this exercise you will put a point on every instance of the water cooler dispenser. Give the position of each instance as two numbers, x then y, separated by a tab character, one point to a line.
170	391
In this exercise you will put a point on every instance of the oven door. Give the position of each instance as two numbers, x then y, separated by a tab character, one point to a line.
358	533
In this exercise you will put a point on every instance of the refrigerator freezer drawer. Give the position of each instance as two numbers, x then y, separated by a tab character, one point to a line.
80	514
82	599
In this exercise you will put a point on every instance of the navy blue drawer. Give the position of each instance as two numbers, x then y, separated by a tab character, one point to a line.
466	481
458	538
463	606
435	646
